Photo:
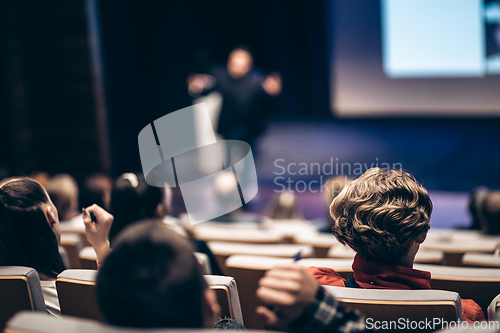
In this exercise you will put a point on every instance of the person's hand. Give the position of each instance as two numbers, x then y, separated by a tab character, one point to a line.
199	82
97	231
272	84
287	290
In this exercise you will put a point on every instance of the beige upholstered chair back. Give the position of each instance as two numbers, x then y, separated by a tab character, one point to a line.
391	305
222	251
248	270
479	284
76	292
72	244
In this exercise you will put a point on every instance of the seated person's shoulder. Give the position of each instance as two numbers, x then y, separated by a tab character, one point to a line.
326	276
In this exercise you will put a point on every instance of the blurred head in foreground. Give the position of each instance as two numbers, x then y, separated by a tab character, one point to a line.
384	215
152	279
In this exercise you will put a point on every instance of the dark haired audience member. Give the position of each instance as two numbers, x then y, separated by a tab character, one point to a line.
125	203
384	216
156	203
484	207
490	213
152	279
476	199
30	236
96	190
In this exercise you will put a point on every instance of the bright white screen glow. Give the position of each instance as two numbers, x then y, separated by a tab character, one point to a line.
415	58
429	38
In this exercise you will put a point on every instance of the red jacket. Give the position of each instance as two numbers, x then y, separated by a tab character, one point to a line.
378	275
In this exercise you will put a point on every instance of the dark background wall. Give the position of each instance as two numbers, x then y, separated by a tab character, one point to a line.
47	110
151	47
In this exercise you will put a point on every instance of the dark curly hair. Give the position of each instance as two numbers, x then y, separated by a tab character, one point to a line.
381	213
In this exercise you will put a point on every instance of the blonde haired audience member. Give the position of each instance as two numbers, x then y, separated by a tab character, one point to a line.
384	216
284	207
41	177
63	191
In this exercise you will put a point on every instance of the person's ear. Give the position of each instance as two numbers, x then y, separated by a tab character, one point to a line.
50	215
211	308
421	238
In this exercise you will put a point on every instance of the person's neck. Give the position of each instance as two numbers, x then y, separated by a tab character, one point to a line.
407	261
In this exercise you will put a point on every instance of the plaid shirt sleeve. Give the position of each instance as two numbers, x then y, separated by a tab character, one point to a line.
326	314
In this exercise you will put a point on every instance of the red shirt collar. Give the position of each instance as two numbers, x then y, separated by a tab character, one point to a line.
381	275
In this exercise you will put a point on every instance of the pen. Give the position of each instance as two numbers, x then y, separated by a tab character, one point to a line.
91	214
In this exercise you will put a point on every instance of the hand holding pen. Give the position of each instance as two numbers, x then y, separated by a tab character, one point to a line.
97	225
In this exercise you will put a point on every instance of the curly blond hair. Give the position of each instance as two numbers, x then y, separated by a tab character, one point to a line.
381	213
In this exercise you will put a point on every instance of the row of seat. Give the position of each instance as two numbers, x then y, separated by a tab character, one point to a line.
76	256
76	295
453	245
231	243
441	246
480	284
20	289
85	257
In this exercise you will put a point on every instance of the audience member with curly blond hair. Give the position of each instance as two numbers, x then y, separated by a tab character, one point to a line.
381	214
384	216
